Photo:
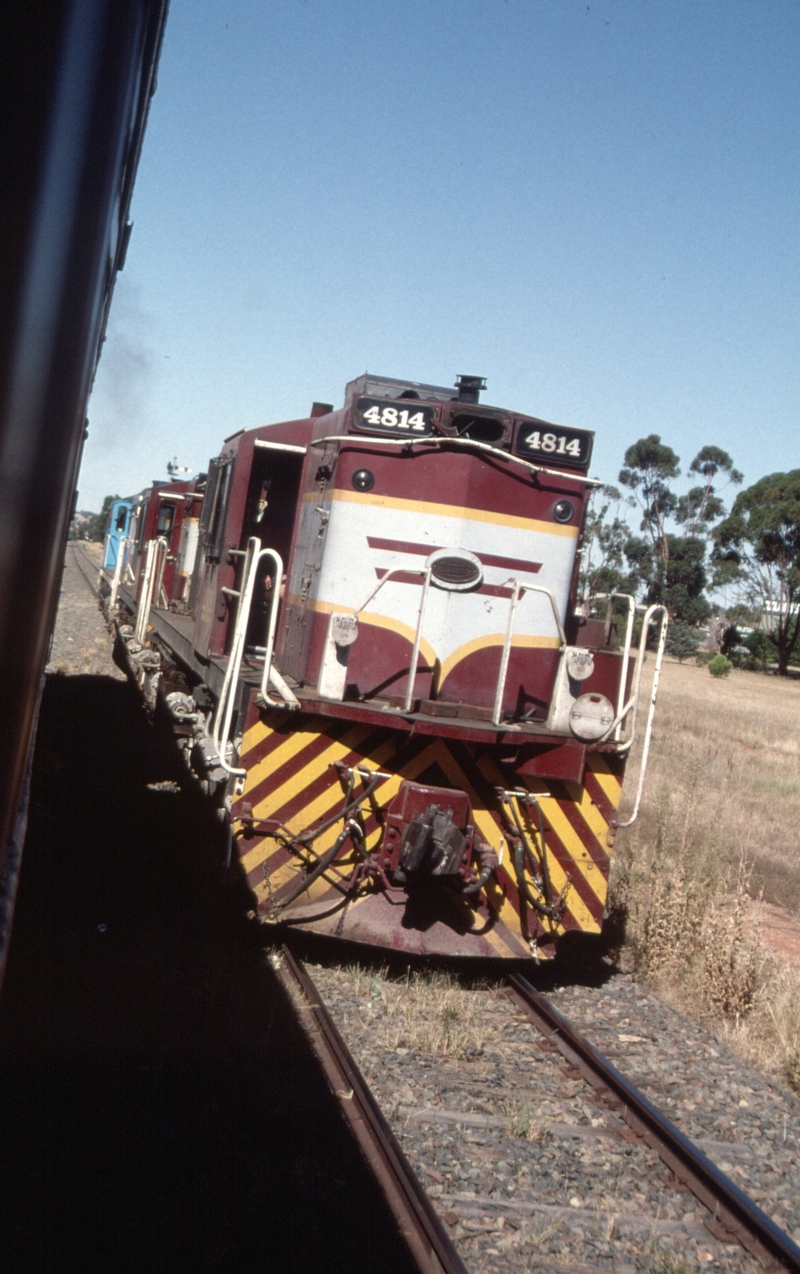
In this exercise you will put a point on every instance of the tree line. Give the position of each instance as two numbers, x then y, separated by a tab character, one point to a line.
686	544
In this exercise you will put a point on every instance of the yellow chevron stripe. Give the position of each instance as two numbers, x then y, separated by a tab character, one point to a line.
326	802
608	782
581	858
437	751
319	808
489	829
255	735
568	838
295	783
284	752
259	731
387	790
589	811
332	795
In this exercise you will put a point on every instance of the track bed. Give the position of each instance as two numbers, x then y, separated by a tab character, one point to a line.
528	1168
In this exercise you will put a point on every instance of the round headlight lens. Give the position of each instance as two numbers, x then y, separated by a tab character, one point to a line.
563	511
363	479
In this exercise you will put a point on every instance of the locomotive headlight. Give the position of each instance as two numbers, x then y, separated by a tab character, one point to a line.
363	479
590	717
563	511
455	570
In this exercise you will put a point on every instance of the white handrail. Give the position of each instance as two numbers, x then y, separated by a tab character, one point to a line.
224	713
222	718
269	671
516	592
122	553
156	552
451	440
425	572
662	641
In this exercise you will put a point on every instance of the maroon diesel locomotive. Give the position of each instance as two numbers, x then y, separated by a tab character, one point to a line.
375	667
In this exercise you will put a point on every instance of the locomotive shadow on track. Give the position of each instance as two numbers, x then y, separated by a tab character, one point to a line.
160	1108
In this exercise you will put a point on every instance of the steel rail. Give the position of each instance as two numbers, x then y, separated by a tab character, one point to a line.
730	1207
427	1240
78	553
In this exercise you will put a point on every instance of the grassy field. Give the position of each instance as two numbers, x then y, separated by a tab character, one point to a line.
707	883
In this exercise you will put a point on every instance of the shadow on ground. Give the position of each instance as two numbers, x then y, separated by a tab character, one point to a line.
159	1109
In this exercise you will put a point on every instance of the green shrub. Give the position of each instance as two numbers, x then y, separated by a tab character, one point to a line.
682	640
719	666
761	648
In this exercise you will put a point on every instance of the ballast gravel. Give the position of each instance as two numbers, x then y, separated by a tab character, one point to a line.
526	1169
81	641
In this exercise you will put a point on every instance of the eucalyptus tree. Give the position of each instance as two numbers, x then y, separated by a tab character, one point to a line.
650	467
701	505
758	543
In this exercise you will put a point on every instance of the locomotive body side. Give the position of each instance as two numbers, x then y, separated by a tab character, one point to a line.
433	760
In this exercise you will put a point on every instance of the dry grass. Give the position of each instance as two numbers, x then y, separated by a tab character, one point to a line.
429	1013
716	830
526	1122
670	1263
735	743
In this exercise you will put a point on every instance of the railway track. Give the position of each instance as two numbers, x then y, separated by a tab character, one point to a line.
531	1172
85	564
734	1213
429	1243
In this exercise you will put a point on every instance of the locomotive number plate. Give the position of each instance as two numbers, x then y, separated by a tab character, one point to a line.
550	444
406	418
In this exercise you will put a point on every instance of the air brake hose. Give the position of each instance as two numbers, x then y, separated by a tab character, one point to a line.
488	860
548	891
322	864
479	883
307	837
522	884
327	858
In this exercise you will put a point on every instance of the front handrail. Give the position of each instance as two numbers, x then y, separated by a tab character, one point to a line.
451	440
122	555
220	730
271	673
516	592
156	553
425	572
625	747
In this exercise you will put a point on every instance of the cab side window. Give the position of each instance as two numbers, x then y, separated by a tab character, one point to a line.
166	520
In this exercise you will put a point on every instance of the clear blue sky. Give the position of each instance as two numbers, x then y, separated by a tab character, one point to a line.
594	205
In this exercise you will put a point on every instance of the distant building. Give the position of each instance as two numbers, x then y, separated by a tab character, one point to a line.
773	611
